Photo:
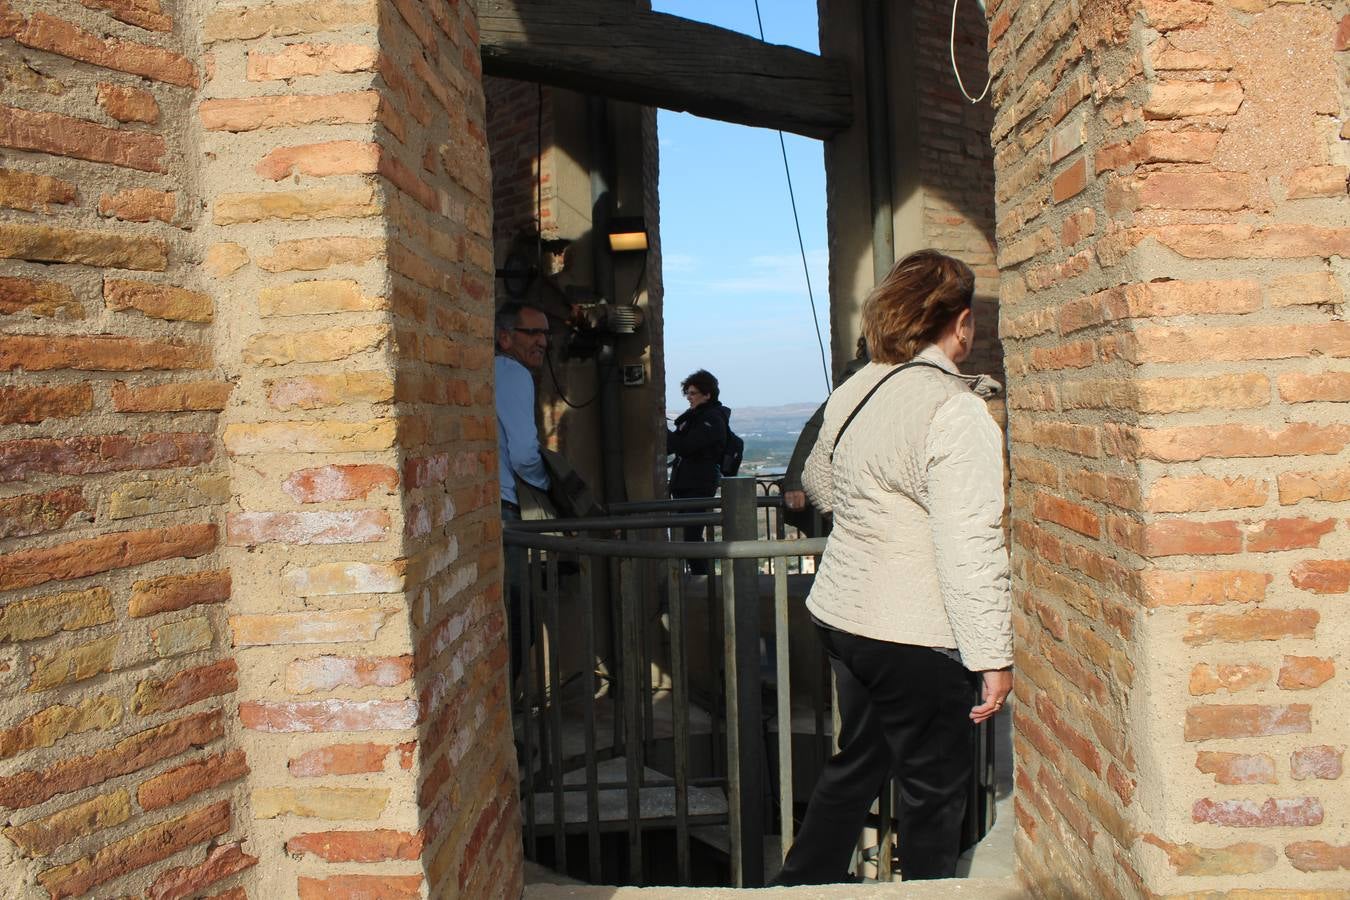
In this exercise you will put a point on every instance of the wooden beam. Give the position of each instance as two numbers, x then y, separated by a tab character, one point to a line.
615	50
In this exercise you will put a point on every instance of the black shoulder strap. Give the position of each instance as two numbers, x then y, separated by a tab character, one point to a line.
876	387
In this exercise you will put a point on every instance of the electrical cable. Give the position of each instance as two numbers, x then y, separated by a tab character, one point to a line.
801	244
951	45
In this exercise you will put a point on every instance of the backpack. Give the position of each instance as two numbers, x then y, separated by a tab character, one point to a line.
732	454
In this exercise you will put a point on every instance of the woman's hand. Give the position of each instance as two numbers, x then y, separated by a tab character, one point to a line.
794	500
997	686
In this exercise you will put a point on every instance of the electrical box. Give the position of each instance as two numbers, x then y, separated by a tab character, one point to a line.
634	376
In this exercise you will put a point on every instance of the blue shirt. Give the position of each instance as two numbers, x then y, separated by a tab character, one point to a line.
517	437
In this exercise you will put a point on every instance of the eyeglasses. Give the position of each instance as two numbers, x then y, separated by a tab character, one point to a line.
693	392
532	332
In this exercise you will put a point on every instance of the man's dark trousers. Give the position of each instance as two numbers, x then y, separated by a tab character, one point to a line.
904	710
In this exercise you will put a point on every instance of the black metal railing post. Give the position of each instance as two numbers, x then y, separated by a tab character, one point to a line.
745	763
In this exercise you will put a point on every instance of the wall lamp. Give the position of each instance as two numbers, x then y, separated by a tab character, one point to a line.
627	233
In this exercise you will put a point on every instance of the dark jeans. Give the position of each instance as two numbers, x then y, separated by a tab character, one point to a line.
904	710
696	533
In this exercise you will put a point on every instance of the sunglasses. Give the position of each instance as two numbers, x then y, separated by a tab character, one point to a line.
532	332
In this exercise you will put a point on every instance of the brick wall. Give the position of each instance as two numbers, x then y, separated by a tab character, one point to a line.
120	766
956	162
1172	230
249	621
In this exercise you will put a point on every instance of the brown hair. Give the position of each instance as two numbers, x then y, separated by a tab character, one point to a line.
909	308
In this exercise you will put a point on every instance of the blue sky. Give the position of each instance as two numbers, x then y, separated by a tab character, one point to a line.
736	301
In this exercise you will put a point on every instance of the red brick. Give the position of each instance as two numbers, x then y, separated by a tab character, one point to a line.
176	785
1330	485
1179	537
1297	811
46	32
141	13
1200	190
1329	387
1279	241
1202	493
1071	739
38	513
140	849
1239	343
1236	768
170	593
78	559
94	454
186	687
186	881
1322	576
1287	534
301	60
139	205
1193	442
361	887
357	846
130	754
1206	679
1234	859
1252	625
1317	181
179	396
339	759
38	298
1070	515
1077	355
319	160
325	673
128	104
329	715
40	242
98	353
1316	762
157	301
1215	722
351	482
1318	856
236	114
30	405
359	526
1181	99
1303	672
47	132
32	192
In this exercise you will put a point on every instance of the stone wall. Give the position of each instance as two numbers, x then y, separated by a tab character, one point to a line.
1173	228
250	627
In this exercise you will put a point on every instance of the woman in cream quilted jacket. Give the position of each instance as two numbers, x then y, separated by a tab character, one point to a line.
912	597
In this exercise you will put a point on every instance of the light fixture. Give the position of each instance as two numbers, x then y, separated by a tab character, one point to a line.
627	233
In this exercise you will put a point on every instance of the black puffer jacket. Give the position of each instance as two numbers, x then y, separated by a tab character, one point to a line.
698	442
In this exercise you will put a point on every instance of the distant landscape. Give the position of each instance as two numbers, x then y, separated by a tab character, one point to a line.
770	433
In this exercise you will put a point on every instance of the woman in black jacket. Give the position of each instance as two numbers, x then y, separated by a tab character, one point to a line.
698	441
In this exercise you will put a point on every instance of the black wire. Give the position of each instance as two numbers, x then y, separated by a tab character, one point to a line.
801	245
557	385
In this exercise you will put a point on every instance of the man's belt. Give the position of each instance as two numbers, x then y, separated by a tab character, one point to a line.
514	507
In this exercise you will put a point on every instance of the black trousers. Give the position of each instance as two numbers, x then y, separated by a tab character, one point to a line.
904	710
696	532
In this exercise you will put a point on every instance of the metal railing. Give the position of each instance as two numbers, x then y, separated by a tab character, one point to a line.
653	720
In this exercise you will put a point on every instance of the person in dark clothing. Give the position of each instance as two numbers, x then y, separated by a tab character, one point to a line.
796	511
698	441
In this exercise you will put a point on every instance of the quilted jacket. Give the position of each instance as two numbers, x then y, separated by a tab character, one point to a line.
917	555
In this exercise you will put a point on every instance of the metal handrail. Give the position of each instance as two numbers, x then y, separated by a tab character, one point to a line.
737	746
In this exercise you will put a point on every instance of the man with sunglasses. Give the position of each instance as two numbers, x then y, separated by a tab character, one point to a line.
522	341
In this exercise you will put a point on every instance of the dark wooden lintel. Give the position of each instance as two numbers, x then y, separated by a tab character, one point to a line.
615	50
